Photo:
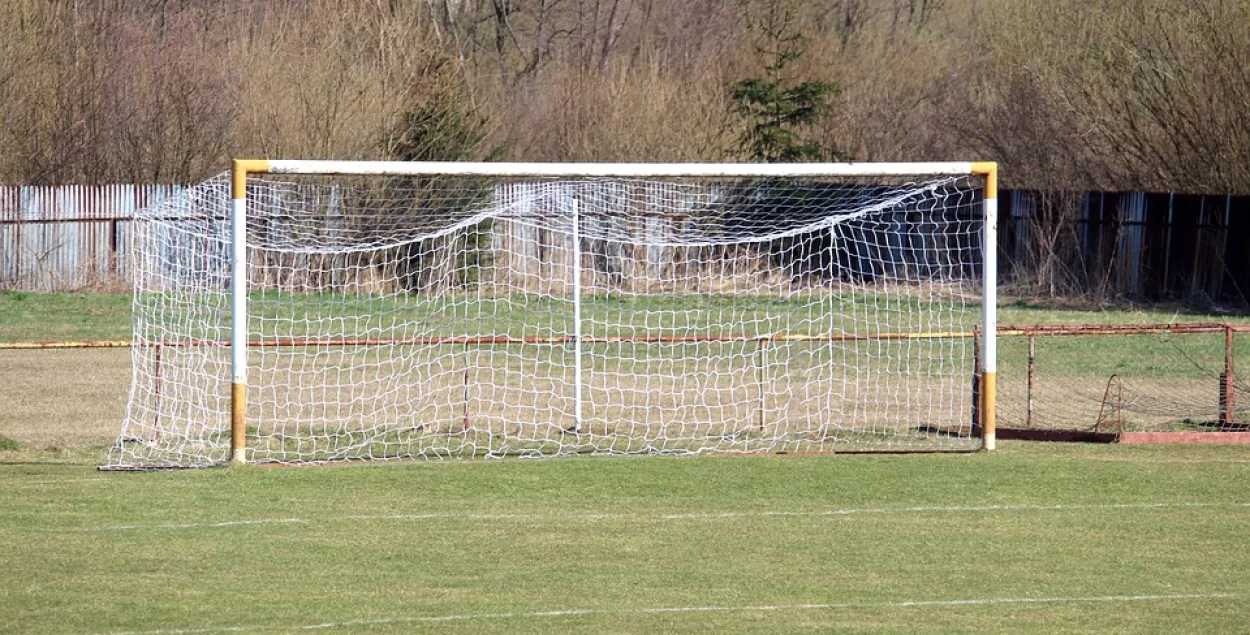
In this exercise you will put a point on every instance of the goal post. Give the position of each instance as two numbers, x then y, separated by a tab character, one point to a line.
238	305
989	305
565	308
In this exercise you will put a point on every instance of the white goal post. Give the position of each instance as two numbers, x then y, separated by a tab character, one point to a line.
378	310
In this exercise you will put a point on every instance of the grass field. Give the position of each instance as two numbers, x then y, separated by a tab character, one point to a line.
59	402
33	317
1037	538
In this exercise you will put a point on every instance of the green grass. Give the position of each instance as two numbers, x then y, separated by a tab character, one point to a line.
1037	538
1070	370
522	315
30	317
893	543
1157	355
45	317
1019	311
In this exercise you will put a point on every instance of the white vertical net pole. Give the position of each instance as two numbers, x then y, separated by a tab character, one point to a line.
989	305
238	314
577	319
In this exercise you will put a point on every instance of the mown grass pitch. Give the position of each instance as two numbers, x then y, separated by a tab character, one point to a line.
32	317
1034	539
1037	538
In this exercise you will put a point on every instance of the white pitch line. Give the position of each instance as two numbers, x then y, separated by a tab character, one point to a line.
941	509
58	482
1162	461
468	516
468	617
225	523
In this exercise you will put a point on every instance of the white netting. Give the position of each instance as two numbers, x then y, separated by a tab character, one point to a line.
439	317
1121	378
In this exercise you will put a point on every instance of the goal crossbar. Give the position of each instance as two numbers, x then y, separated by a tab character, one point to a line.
612	170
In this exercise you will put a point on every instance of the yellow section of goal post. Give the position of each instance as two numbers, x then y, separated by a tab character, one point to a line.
989	371
239	170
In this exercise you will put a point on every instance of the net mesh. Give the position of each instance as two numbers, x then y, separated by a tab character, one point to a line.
1124	378
454	317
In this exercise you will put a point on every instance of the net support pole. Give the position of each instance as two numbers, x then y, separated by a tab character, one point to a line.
238	307
761	362
1028	418
989	304
1228	392
577	320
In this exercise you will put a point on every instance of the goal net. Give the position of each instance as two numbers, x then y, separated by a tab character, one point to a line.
481	310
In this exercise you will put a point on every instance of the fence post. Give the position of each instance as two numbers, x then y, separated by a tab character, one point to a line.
1228	393
467	360
1029	405
976	380
761	364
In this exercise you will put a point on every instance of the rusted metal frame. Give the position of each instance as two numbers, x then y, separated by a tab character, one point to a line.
466	386
1097	329
69	344
156	391
977	409
1028	418
1228	392
1119	404
761	367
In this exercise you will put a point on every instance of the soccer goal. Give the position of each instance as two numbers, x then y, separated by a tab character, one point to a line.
307	311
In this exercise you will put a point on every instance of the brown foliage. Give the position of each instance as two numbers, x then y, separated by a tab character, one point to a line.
1116	94
1066	94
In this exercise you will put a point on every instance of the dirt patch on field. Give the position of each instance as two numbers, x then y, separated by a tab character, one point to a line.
63	399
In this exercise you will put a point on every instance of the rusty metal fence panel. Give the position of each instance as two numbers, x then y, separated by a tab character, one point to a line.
1142	245
1153	246
71	237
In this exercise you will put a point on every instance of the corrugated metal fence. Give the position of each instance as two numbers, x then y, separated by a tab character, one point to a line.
1155	246
1152	246
59	238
